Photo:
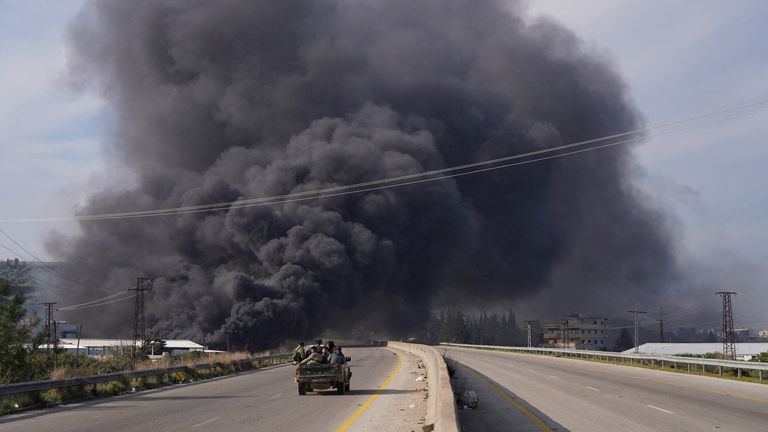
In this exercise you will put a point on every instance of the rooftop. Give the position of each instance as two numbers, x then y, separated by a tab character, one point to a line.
99	343
744	348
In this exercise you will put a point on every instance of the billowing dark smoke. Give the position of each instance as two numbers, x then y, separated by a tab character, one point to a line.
217	101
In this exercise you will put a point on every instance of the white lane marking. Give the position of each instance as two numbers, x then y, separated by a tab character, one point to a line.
205	422
660	409
276	396
592	388
552	376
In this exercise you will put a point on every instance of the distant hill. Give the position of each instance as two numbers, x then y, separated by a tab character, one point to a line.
17	273
23	275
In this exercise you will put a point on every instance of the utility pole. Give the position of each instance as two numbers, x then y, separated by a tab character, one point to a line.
143	284
529	323
635	312
77	351
661	325
566	339
729	335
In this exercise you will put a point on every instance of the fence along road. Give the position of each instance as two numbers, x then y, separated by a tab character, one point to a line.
589	396
265	400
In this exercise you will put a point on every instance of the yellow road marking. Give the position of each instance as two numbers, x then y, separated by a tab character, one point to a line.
518	406
364	407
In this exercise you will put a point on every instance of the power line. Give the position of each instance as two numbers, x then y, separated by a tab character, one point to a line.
32	277
79	306
130	296
410	179
92	303
37	260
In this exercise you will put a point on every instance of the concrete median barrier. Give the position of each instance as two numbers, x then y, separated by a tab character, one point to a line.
441	407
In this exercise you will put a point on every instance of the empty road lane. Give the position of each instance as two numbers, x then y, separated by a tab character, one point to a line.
588	396
264	400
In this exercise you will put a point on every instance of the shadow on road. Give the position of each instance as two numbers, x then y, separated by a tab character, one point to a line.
381	392
498	409
364	392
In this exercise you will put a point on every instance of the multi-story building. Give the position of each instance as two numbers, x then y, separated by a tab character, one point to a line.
763	334
577	332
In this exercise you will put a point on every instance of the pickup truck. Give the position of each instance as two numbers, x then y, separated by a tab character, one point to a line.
314	377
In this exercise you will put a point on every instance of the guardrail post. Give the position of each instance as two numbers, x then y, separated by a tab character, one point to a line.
720	370
689	368
760	376
662	364
738	372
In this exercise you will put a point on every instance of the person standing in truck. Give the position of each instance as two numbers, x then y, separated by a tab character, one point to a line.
337	357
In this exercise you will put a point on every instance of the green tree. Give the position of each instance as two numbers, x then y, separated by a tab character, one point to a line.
16	342
762	357
624	342
454	328
154	346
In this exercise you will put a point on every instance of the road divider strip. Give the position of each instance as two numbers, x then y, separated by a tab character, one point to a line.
364	407
441	406
533	418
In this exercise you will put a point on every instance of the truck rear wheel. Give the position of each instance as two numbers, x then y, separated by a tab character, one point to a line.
302	389
346	387
340	389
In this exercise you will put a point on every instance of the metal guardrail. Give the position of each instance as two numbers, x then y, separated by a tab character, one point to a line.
36	386
642	359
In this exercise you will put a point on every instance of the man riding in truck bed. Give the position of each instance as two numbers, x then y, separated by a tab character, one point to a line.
314	357
299	353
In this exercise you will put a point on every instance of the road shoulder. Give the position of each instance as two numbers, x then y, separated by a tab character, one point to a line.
402	405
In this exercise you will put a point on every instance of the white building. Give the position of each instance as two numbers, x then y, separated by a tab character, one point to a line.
744	350
100	347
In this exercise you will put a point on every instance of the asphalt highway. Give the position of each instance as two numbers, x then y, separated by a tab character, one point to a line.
532	392
265	400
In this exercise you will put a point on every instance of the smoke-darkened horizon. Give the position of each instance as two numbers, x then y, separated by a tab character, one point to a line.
220	101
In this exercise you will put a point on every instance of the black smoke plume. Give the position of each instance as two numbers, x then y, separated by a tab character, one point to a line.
218	101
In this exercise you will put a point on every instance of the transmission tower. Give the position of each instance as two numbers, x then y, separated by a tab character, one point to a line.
636	312
729	335
661	325
50	330
143	284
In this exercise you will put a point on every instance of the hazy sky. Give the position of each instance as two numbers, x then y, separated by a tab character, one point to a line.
678	58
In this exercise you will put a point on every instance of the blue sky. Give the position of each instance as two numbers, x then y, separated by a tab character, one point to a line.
678	58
